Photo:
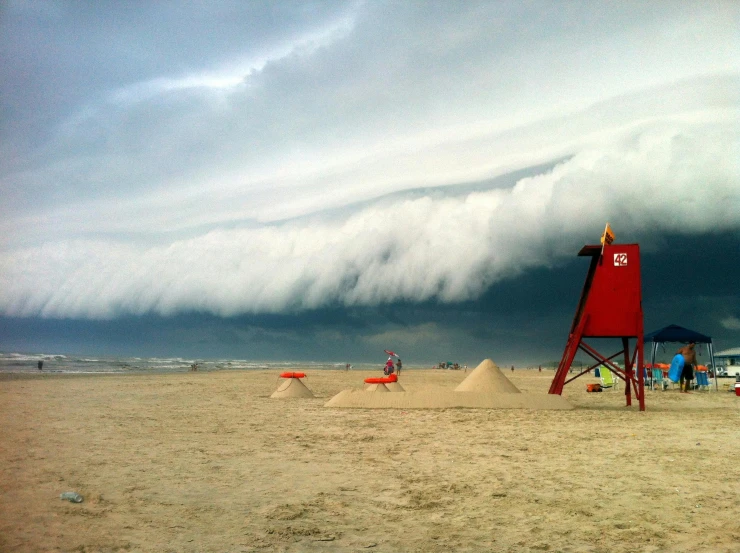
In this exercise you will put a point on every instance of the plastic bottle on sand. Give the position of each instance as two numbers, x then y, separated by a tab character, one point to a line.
74	497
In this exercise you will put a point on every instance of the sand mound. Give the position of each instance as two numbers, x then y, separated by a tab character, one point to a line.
443	399
487	378
485	388
394	387
290	388
376	388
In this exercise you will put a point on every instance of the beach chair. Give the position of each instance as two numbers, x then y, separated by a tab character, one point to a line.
607	378
667	382
672	384
658	381
702	378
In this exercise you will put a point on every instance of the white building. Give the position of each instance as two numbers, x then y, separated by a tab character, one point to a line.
728	362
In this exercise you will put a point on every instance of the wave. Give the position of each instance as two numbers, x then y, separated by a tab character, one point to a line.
59	363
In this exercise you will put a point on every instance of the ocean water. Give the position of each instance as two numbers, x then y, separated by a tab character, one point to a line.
55	363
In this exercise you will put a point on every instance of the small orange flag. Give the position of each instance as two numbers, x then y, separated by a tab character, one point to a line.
608	236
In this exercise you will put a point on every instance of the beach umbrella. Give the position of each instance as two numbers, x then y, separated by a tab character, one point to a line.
389	352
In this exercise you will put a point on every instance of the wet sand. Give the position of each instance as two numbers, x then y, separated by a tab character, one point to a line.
207	462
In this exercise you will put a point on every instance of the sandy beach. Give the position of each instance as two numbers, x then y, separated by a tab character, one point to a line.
208	462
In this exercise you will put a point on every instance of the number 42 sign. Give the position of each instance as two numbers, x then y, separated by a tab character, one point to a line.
620	259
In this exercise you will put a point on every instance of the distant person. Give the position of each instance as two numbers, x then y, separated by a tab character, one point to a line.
41	365
399	366
689	362
388	369
540	368
512	368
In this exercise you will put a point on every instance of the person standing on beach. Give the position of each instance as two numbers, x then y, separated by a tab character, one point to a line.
399	365
689	361
41	365
388	369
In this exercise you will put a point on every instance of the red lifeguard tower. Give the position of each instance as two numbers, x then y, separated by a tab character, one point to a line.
610	307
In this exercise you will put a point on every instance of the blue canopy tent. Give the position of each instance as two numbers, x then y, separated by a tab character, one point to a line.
675	333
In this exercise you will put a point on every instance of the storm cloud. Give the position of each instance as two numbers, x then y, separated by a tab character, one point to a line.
447	246
247	159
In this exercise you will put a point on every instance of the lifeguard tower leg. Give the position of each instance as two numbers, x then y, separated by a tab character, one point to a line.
627	371
640	369
571	348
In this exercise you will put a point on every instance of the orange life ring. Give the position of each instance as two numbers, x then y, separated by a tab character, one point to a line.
292	375
386	380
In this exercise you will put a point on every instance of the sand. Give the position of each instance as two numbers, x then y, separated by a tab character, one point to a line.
208	462
445	399
487	378
291	388
486	387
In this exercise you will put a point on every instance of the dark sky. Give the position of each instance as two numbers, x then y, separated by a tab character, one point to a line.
522	320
